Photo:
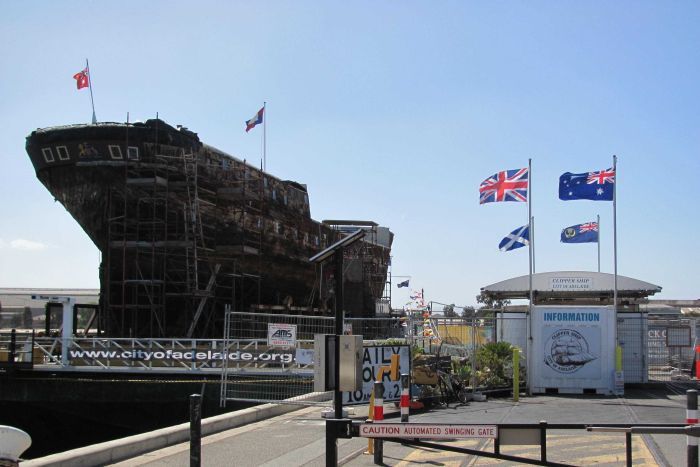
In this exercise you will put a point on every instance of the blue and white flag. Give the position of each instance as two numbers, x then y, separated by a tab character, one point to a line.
580	233
402	284
518	238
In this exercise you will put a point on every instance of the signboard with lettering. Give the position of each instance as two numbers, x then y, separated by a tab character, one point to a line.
678	336
571	283
427	431
373	358
573	348
281	335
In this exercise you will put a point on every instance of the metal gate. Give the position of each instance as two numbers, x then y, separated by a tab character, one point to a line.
260	369
671	348
428	435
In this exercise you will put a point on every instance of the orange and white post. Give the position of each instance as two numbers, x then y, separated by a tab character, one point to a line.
405	397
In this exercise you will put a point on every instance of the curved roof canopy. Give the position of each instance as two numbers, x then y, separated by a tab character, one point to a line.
570	285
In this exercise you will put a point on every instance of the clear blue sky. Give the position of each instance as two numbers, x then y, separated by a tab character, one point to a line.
389	111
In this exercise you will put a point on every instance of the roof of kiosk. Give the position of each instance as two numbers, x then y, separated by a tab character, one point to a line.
571	284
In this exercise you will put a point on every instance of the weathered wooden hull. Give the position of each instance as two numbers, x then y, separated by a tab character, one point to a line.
185	229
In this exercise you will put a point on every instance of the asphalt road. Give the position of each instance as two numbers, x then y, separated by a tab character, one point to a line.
298	438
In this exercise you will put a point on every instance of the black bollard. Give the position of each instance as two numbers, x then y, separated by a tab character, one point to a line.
13	347
691	418
378	417
195	430
543	441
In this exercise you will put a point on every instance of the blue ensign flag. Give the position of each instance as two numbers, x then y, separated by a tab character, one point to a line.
402	284
580	233
518	238
595	186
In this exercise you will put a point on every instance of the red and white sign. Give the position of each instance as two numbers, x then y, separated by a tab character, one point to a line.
419	430
281	335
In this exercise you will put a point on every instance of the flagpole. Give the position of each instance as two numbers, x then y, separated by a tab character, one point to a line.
532	239
529	221
264	137
92	100
530	243
615	228
598	222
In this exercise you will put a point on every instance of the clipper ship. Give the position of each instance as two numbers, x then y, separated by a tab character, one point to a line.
185	229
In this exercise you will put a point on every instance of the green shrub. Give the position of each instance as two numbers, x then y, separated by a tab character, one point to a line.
495	363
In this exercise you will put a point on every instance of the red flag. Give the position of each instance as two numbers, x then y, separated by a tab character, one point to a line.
82	79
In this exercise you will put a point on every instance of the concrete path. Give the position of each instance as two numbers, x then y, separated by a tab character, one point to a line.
297	438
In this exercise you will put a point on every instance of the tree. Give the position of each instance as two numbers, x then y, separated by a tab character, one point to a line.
468	312
491	303
449	311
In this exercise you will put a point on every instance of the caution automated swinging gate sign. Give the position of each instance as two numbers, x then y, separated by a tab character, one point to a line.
427	431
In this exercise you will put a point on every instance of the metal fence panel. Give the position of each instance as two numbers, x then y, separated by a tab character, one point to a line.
631	337
252	381
668	359
255	380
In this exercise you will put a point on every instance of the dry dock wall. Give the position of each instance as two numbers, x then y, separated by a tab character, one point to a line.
118	450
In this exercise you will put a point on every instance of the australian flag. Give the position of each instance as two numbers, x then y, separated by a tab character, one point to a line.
402	284
596	186
518	238
580	233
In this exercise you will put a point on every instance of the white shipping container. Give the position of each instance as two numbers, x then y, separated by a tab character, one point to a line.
573	349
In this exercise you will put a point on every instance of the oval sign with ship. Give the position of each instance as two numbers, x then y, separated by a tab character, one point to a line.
567	351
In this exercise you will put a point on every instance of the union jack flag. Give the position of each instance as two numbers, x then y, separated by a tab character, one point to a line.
601	177
588	227
509	185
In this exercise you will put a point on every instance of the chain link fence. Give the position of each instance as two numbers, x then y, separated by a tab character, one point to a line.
269	357
671	348
272	357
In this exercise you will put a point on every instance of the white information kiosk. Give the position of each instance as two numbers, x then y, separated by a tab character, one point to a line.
573	349
570	335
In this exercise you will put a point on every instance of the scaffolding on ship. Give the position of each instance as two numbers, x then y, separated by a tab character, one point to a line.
161	247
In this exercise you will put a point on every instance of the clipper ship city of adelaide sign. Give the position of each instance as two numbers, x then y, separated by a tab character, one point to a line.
571	283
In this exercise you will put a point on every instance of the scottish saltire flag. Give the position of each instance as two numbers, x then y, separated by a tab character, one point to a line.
402	284
518	238
580	233
256	120
509	185
596	186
